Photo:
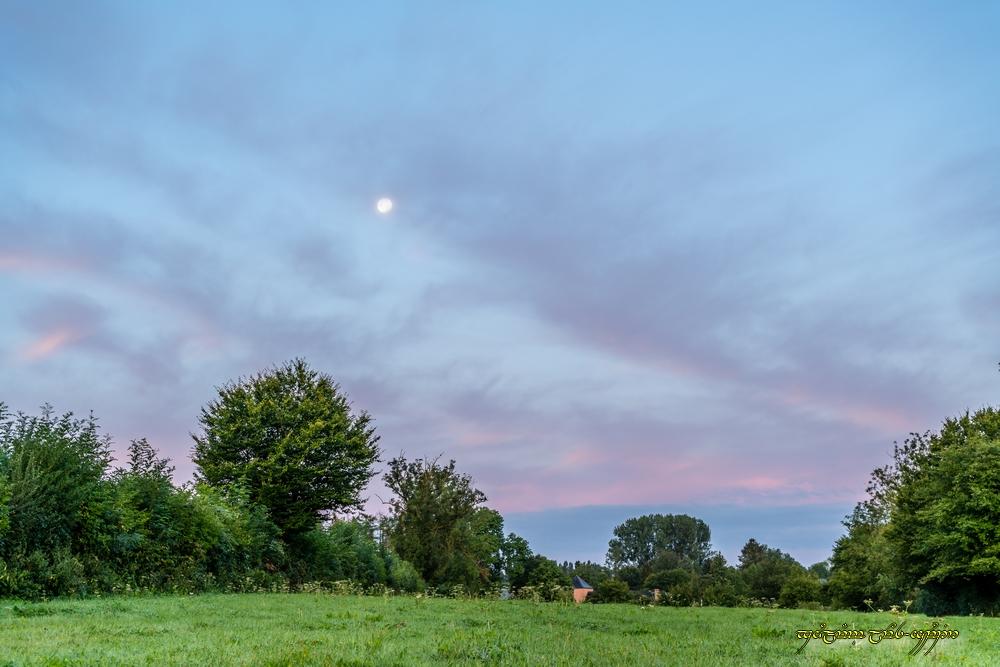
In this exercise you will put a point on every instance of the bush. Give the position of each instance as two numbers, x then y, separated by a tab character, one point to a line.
403	576
798	588
611	590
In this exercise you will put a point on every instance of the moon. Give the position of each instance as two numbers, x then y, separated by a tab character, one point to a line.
383	205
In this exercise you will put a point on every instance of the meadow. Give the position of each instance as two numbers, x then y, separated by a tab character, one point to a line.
323	629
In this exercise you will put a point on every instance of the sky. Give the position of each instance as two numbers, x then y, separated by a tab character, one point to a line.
700	258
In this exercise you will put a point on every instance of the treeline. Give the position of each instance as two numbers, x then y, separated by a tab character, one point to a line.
281	459
72	525
926	539
668	559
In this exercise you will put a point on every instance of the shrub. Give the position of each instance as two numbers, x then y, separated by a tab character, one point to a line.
798	588
611	590
403	576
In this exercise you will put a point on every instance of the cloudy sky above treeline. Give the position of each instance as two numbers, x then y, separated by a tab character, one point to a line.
709	258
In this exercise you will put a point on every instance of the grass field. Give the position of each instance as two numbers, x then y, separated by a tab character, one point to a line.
266	629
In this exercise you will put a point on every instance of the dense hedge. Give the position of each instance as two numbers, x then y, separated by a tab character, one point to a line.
71	524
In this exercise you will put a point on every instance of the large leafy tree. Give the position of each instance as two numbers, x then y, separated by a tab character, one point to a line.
945	527
288	438
929	525
438	523
641	540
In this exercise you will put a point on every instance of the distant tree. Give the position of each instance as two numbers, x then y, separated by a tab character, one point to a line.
592	573
665	580
721	584
820	570
765	570
516	555
289	438
639	540
751	553
610	590
799	587
545	575
437	522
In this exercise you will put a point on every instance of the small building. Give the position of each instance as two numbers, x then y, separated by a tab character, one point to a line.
581	589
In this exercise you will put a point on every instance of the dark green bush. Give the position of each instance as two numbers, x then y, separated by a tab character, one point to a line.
611	590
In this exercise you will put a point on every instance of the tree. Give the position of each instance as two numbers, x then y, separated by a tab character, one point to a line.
592	573
610	590
437	522
751	553
639	540
945	526
546	578
516	555
53	468
820	570
721	584
289	438
800	587
861	567
765	570
929	527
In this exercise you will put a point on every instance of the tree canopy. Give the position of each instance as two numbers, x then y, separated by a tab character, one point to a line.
438	523
929	530
288	438
640	540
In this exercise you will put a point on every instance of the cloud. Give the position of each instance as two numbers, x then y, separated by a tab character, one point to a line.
611	277
48	345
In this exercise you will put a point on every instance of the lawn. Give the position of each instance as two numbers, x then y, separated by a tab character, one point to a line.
276	629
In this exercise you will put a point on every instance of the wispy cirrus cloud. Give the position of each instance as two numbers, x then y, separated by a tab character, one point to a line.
612	276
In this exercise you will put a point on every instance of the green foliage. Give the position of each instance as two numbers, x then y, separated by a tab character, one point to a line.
437	523
862	567
640	540
403	576
70	527
820	570
765	570
666	580
945	527
545	577
610	590
515	554
53	468
287	437
592	573
930	528
631	575
721	584
343	550
799	588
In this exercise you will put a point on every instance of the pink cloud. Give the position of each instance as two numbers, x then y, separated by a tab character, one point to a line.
872	417
762	483
48	345
21	262
745	480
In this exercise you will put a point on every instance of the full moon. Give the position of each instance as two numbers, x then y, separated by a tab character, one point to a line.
383	205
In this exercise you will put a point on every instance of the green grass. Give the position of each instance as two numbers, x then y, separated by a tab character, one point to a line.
275	629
